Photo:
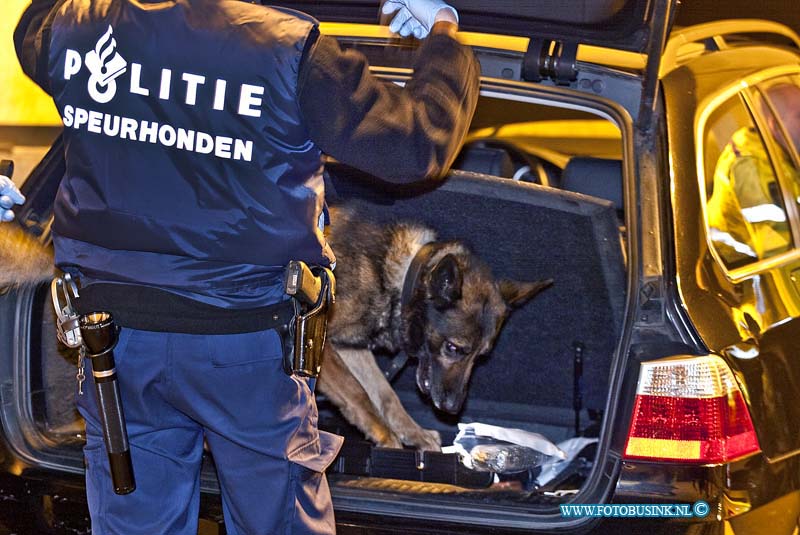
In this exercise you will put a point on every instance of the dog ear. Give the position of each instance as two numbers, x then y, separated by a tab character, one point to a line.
446	279
517	293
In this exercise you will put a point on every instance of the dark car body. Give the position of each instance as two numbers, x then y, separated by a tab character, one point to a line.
680	298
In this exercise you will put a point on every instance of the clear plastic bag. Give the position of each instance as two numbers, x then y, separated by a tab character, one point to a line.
489	448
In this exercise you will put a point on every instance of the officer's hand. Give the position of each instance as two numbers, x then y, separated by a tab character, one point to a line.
417	16
9	196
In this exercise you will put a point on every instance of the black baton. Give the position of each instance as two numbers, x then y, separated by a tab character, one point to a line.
99	337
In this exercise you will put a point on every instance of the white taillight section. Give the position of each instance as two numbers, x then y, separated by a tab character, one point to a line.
689	409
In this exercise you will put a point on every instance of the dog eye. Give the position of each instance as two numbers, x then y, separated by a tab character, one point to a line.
453	349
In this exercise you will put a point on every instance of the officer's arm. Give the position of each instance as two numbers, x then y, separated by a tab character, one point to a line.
401	134
32	40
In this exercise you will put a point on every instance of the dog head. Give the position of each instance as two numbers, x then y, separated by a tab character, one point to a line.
454	316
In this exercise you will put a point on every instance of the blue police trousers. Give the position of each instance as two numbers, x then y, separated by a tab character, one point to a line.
260	424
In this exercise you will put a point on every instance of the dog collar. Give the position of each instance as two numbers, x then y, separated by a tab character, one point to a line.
422	257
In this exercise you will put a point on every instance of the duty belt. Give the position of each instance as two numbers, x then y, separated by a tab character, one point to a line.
152	309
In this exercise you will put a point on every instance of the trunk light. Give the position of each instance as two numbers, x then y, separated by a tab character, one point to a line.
689	410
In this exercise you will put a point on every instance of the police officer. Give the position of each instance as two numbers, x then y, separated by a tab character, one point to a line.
193	132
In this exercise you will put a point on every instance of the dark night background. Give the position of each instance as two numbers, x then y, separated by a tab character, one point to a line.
696	11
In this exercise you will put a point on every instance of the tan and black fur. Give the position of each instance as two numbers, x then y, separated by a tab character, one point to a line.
23	259
452	316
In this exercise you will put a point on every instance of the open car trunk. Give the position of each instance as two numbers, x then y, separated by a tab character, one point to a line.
549	370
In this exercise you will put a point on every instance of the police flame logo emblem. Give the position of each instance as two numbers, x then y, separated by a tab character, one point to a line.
105	65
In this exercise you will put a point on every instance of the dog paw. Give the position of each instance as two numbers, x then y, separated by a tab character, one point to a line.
389	440
425	439
433	442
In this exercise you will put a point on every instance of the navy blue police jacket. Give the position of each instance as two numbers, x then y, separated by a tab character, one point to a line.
189	165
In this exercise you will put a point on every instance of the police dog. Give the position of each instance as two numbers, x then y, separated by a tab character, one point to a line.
399	289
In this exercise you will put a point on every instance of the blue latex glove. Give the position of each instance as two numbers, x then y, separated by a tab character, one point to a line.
9	196
414	17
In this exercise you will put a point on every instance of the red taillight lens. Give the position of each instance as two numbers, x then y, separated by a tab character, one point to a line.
690	410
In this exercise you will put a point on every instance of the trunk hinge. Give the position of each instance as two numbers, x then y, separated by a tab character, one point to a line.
550	59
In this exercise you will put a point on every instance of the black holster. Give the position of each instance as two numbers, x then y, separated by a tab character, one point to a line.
312	290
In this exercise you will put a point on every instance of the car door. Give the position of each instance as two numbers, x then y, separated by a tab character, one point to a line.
747	303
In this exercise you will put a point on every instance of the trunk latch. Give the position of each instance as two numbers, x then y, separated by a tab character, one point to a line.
550	59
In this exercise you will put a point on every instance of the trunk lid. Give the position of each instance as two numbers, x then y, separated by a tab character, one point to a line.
555	30
629	25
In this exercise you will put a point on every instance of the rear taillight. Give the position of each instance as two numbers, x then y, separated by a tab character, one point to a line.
689	409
